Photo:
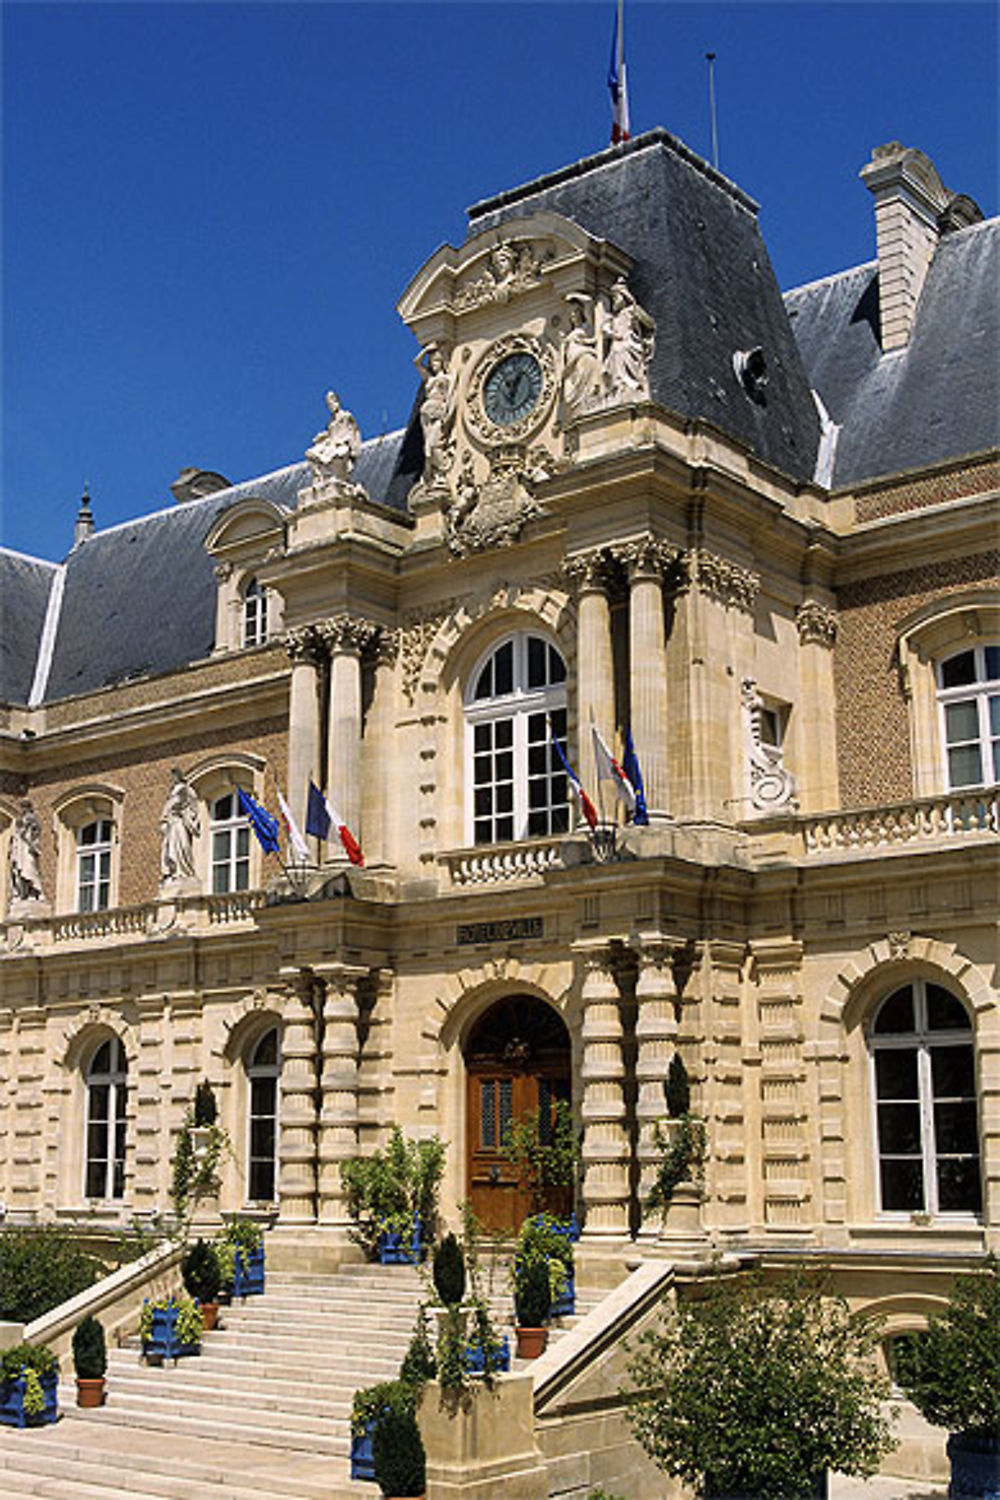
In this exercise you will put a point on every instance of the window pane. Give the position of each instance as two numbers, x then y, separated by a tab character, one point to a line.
484	683
504	829
266	1050
902	1185
265	1096
223	808
220	846
896	1014
262	1181
262	1137
959	1187
899	1129
560	819
487	1113
955	1129
503	668
961	721
505	766
895	1073
505	798
994	706
992	655
503	733
959	670
99	1095
538	760
536	661
102	1059
504	1107
557	667
944	1012
97	1141
965	767
953	1073
481	738
96	1179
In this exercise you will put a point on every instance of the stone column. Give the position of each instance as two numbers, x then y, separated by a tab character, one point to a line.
818	782
297	1187
656	1039
377	788
345	637
605	1143
338	1118
305	649
594	662
646	560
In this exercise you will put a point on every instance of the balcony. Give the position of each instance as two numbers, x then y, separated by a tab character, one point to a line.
190	915
500	864
897	827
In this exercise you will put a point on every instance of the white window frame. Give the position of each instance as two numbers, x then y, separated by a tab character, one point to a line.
255	613
921	1040
517	706
116	1081
236	831
256	1071
98	856
980	691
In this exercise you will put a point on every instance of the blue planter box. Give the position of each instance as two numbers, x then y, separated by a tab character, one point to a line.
975	1467
12	1402
399	1250
163	1341
475	1362
248	1273
564	1305
362	1458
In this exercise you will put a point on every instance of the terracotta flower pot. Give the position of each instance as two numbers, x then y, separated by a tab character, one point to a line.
210	1312
90	1390
531	1342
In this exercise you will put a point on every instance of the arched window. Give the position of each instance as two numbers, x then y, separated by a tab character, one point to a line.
515	703
230	846
254	614
263	1074
925	1098
93	865
107	1095
969	695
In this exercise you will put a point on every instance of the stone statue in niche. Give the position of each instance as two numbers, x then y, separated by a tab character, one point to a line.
437	413
581	371
180	825
772	788
26	855
335	450
629	337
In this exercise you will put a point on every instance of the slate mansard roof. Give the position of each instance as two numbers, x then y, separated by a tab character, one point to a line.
936	398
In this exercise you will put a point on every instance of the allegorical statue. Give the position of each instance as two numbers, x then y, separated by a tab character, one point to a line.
581	377
26	855
335	450
437	412
629	334
180	825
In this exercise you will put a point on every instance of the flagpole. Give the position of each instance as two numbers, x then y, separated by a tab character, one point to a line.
710	59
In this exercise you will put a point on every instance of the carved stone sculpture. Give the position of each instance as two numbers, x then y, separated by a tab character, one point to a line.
335	450
772	788
512	267
628	334
180	825
581	370
26	855
494	513
437	413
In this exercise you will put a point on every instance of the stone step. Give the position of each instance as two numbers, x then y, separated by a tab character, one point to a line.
82	1479
177	1420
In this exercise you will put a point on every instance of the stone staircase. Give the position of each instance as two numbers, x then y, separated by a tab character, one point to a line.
263	1413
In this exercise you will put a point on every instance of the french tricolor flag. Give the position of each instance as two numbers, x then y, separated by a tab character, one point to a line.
608	769
617	83
321	817
587	808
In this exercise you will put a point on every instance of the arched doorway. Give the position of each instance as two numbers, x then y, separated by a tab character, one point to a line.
517	1060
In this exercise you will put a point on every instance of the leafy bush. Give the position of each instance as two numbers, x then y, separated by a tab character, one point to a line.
953	1376
758	1389
372	1400
449	1271
39	1269
677	1088
398	1452
90	1355
190	1319
543	1159
532	1293
200	1272
683	1158
206	1111
386	1189
23	1357
419	1364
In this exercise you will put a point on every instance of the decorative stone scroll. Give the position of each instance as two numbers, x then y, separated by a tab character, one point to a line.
728	582
648	556
304	643
772	787
817	623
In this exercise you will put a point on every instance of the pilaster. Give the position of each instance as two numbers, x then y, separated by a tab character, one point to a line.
339	1114
647	560
605	1151
297	1184
656	1039
345	637
305	650
591	573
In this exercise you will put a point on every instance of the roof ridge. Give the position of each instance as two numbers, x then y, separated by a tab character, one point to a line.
27	557
808	286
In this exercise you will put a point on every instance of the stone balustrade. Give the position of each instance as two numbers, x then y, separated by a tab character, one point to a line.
188	914
498	864
956	815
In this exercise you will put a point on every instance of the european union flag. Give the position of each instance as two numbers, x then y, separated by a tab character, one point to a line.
630	765
264	824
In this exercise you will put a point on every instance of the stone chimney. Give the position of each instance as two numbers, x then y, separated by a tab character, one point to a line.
911	210
84	527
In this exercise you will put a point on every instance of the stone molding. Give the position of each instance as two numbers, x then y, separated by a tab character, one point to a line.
816	623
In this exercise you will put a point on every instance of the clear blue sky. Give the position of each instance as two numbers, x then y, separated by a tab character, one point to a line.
210	211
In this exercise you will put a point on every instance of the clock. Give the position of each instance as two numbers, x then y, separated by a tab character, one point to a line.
512	388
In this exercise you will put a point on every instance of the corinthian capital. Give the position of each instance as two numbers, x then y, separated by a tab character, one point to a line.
304	644
347	633
647	557
817	623
726	581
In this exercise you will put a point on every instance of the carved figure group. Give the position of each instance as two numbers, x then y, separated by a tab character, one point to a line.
630	333
335	450
26	855
180	824
606	351
437	412
511	268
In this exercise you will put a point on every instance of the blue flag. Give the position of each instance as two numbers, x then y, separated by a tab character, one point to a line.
263	823
630	765
317	817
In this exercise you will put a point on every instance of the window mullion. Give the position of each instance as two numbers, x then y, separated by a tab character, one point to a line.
926	1087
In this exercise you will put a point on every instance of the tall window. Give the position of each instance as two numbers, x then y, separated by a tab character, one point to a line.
93	865
107	1095
969	695
254	614
230	846
925	1099
516	703
263	1073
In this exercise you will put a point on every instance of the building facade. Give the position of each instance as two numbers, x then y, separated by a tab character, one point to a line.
641	492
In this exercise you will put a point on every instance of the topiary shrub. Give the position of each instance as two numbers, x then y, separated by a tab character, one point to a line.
200	1272
40	1268
532	1293
449	1271
90	1355
398	1453
677	1088
206	1111
419	1364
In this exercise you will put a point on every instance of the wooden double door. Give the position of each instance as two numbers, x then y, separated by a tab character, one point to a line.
517	1061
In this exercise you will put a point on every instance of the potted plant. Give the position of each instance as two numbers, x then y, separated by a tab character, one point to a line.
532	1301
392	1197
367	1408
239	1249
544	1237
170	1327
953	1378
681	1140
449	1271
546	1161
756	1390
398	1452
90	1360
28	1385
202	1278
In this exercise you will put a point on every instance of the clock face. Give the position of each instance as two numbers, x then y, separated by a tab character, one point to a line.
512	389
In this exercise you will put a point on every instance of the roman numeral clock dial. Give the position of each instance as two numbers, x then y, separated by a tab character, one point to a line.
512	389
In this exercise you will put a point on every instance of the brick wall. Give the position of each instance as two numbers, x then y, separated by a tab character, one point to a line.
873	741
971	477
